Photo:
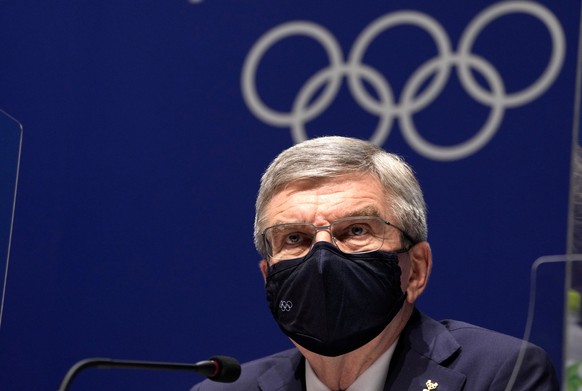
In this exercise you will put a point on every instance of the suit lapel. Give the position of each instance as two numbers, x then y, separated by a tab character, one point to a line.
421	357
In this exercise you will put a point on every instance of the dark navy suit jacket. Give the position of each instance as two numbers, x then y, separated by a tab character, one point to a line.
455	355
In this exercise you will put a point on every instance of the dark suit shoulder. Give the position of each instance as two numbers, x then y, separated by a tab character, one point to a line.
485	351
487	343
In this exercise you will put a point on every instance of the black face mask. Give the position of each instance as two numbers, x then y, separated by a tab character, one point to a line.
330	302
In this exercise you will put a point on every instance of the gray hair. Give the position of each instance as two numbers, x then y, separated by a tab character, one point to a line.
334	156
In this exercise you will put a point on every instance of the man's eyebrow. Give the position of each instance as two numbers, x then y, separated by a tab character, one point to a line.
366	211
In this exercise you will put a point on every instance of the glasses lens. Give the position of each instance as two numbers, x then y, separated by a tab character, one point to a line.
359	235
350	235
286	241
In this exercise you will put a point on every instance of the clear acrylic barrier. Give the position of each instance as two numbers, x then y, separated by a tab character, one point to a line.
573	327
10	147
554	319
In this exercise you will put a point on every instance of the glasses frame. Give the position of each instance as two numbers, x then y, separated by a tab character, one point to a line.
404	235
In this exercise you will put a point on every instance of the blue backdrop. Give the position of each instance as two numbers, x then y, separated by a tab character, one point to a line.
147	126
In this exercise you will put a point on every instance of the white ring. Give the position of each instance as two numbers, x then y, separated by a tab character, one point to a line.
315	82
467	147
545	80
415	18
250	93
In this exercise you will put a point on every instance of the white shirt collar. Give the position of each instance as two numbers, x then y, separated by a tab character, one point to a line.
372	379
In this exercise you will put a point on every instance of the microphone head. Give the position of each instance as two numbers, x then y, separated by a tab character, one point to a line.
228	369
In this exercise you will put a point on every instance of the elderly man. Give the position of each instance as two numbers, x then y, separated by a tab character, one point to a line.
341	226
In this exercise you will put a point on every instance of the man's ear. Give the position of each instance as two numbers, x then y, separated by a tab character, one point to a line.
263	266
420	266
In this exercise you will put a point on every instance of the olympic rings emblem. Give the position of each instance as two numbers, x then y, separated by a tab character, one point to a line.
385	106
285	306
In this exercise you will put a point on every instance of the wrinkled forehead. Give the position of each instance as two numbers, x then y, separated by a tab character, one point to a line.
328	198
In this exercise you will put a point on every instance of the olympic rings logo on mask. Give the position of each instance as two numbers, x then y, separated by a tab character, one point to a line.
285	306
328	80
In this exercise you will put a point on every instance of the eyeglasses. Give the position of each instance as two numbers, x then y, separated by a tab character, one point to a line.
360	234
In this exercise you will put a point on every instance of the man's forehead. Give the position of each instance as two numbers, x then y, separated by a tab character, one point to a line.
324	182
345	196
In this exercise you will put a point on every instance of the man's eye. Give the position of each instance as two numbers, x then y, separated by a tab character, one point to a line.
357	230
294	238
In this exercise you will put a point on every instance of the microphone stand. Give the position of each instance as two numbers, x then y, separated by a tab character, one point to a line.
208	368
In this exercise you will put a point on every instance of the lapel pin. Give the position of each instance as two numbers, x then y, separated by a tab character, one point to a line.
430	385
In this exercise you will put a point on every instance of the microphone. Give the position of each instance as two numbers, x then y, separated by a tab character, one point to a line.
218	368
